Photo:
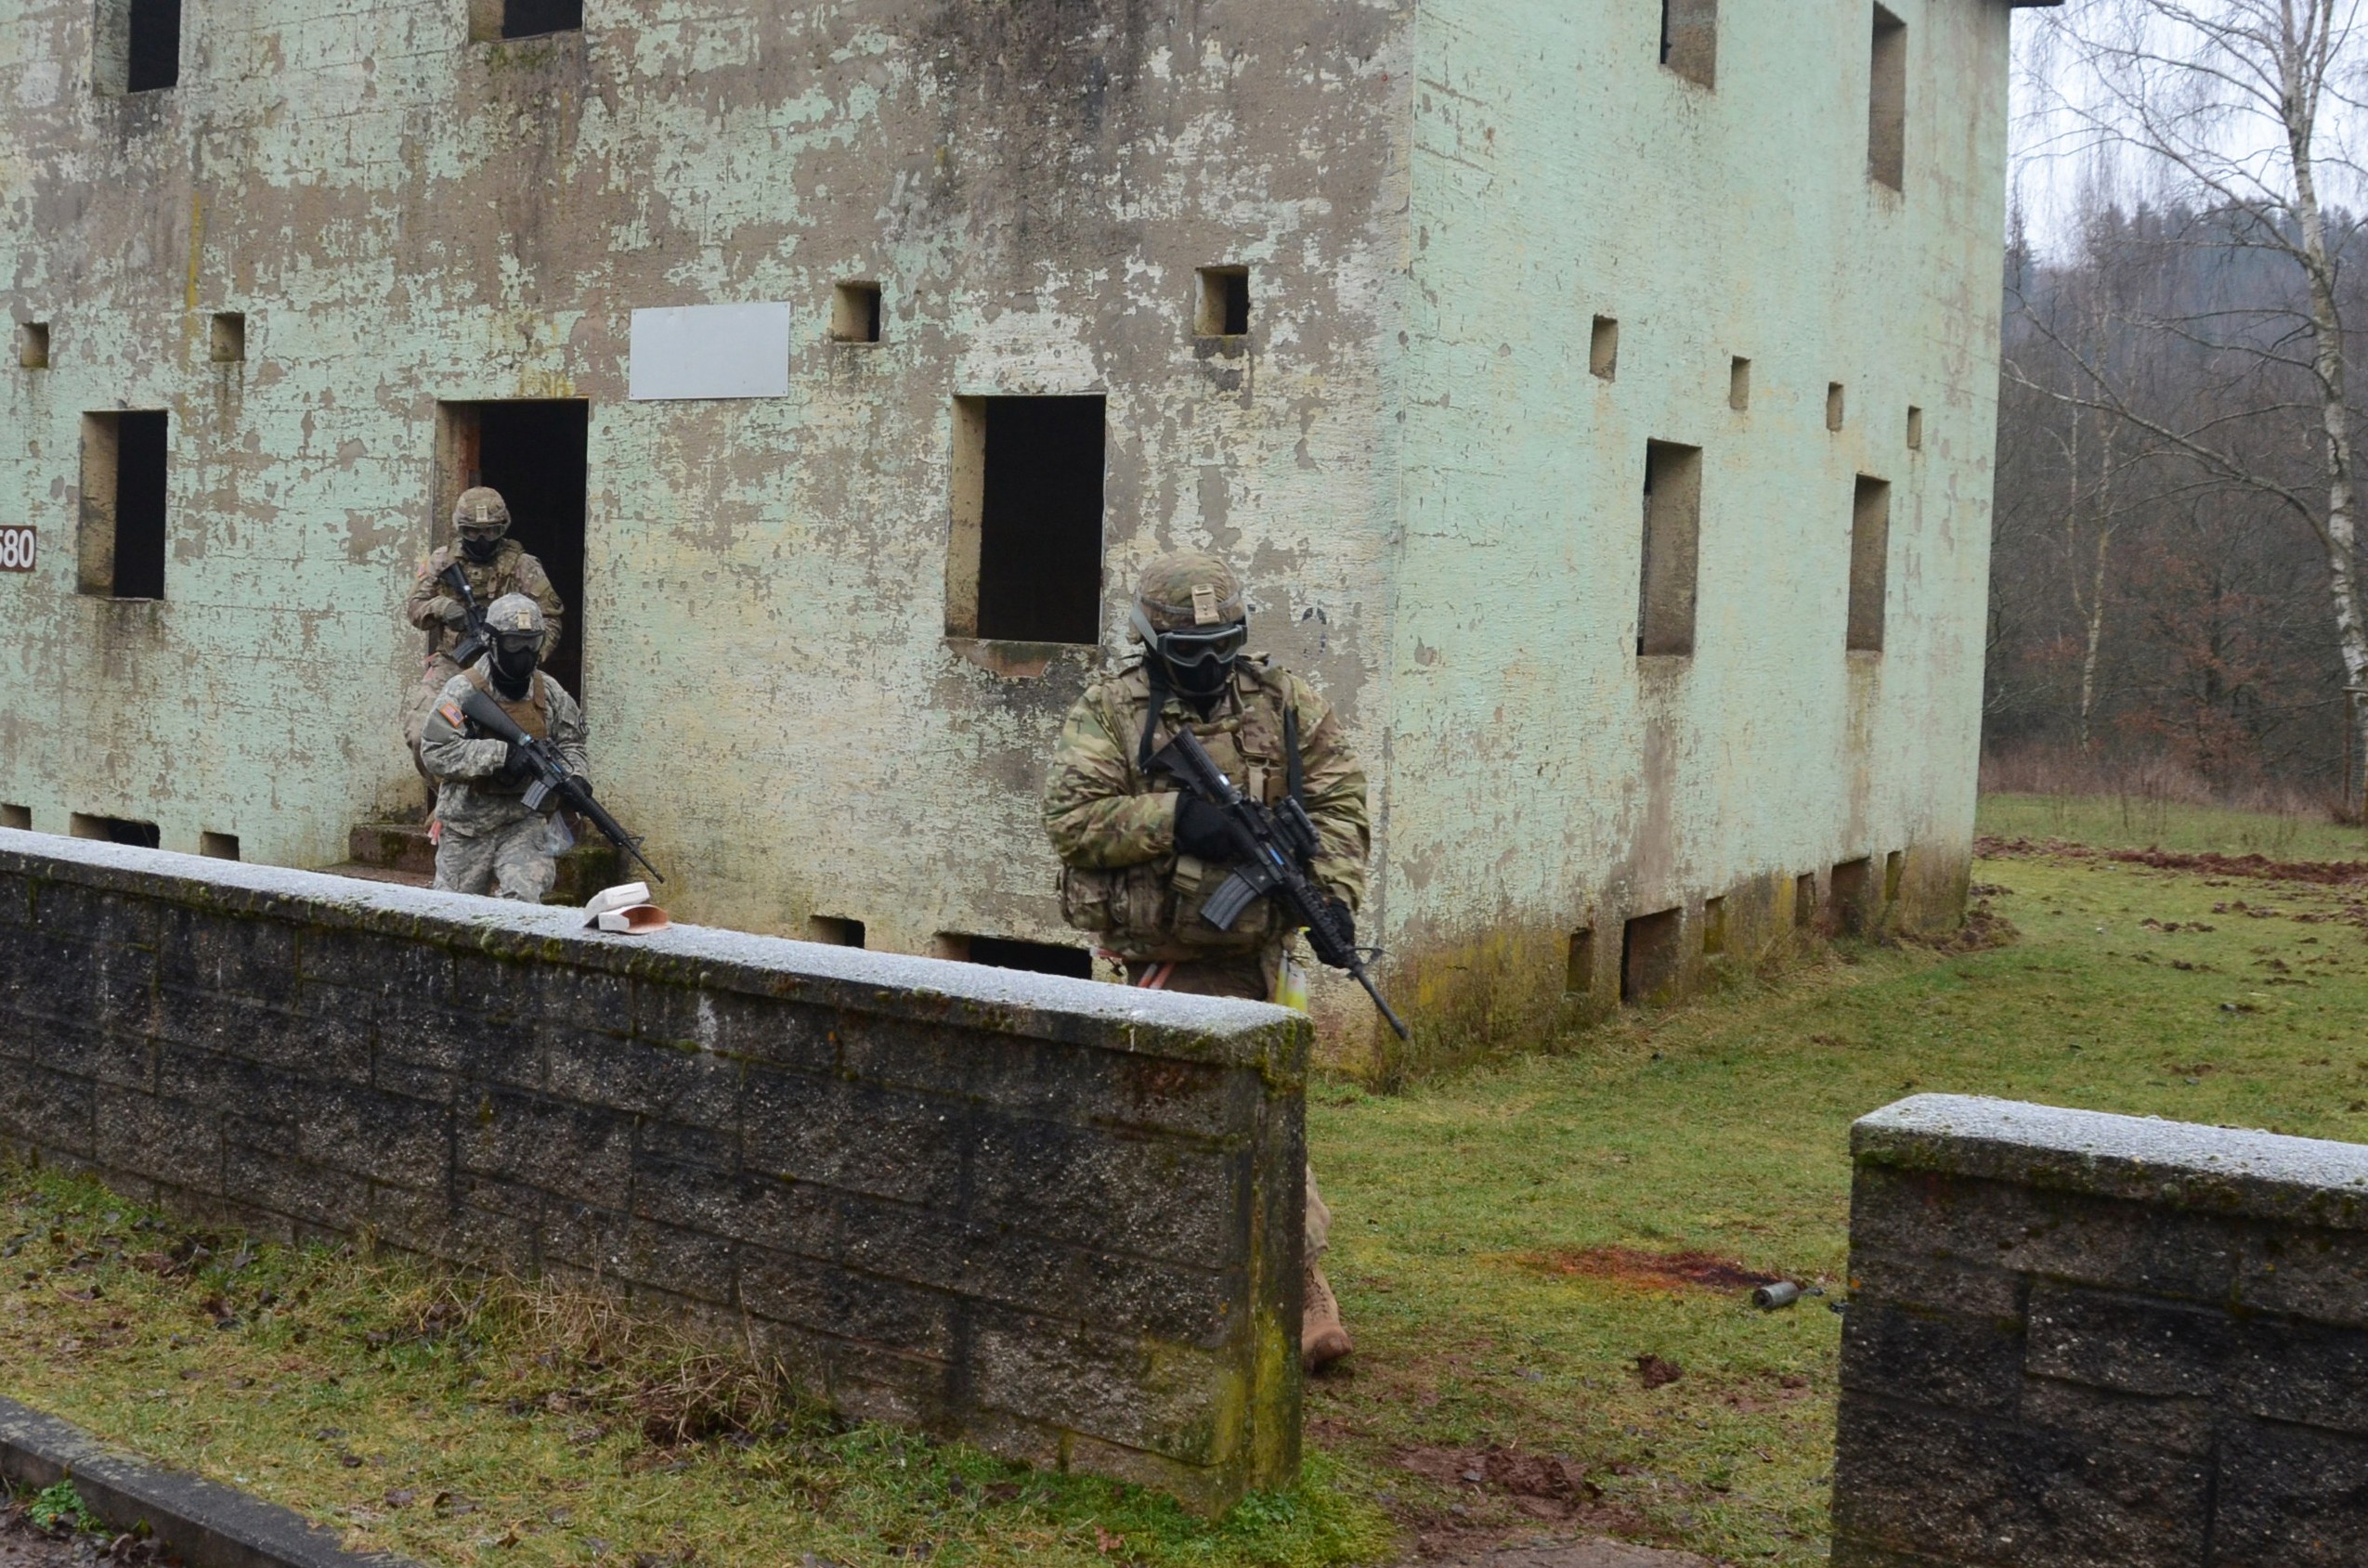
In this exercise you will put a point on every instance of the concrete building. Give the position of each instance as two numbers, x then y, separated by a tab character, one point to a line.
1598	397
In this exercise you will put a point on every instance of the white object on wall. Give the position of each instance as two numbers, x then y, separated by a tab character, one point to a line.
709	351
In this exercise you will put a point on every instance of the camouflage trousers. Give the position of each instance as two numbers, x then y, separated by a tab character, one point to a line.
1250	976
511	861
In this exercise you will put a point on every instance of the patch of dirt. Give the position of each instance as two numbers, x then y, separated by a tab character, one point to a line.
1654	1372
2210	863
1630	1265
1535	1488
1981	931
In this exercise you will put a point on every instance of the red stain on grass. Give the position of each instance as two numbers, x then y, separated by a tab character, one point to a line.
1652	1271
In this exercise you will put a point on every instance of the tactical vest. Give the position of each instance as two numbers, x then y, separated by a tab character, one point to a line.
489	580
1153	910
530	713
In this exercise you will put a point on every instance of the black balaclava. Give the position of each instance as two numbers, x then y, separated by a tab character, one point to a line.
513	664
479	546
1200	684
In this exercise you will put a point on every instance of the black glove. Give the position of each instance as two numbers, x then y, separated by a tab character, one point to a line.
1202	832
1342	921
516	768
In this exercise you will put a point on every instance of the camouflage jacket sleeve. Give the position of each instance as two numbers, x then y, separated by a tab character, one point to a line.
1334	782
426	590
1094	806
535	583
444	747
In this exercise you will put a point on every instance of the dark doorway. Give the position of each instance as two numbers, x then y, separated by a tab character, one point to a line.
535	454
139	505
153	57
1040	520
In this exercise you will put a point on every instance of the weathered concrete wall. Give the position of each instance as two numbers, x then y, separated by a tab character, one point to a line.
1409	457
2078	1339
1056	1218
407	216
1544	777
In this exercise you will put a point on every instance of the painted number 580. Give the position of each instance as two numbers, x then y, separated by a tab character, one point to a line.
17	548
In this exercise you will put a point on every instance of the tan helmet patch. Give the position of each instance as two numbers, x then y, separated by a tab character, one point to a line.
1204	604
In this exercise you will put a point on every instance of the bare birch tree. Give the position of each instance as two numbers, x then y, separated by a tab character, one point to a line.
2234	109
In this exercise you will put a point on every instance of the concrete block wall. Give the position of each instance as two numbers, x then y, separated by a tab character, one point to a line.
2078	1339
1056	1218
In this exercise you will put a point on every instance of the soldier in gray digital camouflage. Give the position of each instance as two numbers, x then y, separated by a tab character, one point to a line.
493	564
488	839
1139	856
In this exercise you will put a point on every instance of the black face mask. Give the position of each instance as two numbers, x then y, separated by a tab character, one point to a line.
1200	662
480	548
513	669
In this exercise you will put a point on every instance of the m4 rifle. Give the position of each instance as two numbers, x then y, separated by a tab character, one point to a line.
553	782
475	639
1278	848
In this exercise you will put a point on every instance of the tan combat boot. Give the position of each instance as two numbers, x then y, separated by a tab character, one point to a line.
1321	1339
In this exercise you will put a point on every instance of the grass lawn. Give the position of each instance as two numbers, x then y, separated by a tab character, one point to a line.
1507	1244
2108	821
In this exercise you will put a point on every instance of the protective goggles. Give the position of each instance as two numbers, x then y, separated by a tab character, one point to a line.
483	530
519	641
1217	644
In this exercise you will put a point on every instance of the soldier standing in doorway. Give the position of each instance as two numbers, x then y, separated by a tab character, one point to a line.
489	840
494	564
1140	857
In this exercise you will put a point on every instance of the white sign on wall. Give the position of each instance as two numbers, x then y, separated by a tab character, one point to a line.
17	548
709	351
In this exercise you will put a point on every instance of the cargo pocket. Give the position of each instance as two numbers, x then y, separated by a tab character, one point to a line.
1087	898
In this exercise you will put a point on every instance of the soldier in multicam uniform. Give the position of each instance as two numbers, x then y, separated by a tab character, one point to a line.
1138	856
488	840
495	564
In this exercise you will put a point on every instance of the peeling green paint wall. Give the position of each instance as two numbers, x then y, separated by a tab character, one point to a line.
1436	502
1544	776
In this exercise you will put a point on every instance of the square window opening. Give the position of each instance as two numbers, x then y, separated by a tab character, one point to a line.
1603	349
854	313
1915	428
1894	871
1853	881
18	817
1713	927
114	830
32	345
1690	39
1671	547
1011	952
1836	406
1804	901
532	18
1579	966
1221	303
1649	960
834	930
136	46
226	338
1869	564
219	846
120	537
1024	561
1738	383
1887	103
